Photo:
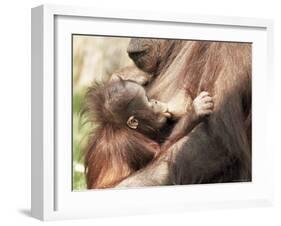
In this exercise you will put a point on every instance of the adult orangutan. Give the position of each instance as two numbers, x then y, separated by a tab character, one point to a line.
219	148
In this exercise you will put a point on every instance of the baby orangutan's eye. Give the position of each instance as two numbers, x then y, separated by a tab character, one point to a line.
154	101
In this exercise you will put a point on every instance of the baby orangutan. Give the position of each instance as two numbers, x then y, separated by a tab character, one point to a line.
125	123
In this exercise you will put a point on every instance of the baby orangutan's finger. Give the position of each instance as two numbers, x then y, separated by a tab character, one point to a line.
207	112
203	94
207	99
209	105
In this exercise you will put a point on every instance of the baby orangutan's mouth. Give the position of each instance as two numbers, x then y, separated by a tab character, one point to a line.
167	113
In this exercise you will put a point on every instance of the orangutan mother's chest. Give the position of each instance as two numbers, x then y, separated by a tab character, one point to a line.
177	99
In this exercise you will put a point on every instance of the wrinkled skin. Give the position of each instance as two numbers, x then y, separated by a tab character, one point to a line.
147	54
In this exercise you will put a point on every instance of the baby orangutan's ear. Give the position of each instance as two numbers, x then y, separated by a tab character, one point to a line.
132	122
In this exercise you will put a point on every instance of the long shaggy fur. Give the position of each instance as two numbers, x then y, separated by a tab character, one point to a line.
114	151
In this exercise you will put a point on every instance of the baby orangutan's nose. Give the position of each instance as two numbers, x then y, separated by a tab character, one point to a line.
160	107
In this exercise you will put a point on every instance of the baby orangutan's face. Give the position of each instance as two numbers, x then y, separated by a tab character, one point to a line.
156	112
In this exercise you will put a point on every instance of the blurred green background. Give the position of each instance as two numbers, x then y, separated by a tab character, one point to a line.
94	59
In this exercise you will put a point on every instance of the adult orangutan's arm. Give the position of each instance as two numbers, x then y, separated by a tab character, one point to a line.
155	174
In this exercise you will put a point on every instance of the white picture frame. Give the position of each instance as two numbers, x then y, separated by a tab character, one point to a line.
52	197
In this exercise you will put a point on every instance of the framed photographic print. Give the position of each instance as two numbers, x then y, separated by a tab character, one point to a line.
136	113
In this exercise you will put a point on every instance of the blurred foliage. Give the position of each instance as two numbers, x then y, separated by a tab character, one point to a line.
94	59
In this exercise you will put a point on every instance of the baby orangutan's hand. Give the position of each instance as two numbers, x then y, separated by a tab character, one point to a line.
203	104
